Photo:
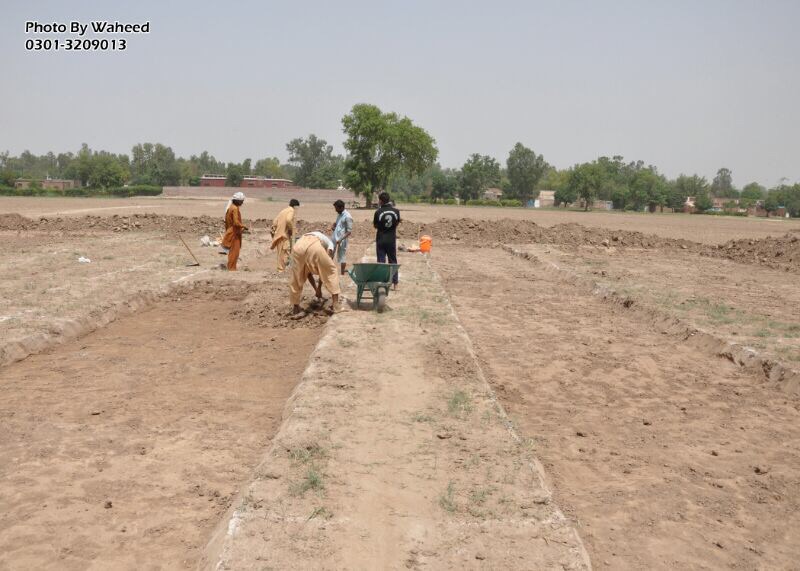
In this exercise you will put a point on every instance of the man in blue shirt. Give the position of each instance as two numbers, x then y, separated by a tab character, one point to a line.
342	229
386	219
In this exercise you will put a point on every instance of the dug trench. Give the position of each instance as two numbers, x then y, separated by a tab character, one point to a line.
663	455
122	449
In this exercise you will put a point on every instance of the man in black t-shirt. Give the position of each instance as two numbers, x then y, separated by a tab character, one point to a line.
386	219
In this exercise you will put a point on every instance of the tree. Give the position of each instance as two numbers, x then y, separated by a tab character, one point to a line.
154	164
553	179
648	188
381	144
702	202
80	168
685	186
585	181
317	167
106	171
751	194
444	184
524	169
477	174
235	175
269	167
722	185
565	195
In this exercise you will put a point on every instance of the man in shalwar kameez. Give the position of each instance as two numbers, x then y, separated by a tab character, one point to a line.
282	231
312	255
232	240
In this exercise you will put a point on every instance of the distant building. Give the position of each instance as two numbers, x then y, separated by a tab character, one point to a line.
247	182
492	194
603	205
546	198
48	183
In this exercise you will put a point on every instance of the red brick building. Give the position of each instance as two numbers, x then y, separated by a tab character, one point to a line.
48	183
247	182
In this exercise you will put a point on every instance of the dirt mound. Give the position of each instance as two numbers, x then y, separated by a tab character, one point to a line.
13	222
782	252
507	231
259	308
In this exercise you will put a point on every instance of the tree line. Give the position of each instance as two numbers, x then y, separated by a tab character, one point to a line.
311	164
387	151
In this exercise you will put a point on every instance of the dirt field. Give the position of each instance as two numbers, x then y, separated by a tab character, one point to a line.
647	362
124	448
705	229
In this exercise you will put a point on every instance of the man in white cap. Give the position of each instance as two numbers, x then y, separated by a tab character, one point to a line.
313	255
232	240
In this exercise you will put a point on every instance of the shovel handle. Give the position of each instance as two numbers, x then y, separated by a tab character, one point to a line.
188	250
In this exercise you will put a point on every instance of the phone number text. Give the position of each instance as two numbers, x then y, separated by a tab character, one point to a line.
72	44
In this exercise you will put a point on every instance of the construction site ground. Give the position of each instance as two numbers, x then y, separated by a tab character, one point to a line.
547	390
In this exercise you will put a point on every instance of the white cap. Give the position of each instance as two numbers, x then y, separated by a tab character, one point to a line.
238	196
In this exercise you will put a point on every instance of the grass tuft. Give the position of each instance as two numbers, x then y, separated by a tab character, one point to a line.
447	500
459	403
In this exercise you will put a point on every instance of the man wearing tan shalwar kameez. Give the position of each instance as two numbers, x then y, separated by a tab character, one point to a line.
282	233
313	255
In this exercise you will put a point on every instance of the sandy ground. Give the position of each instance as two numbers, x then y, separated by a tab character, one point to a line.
123	449
665	457
755	307
661	454
706	229
394	455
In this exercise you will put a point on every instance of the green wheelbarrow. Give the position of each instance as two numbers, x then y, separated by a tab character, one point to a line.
376	278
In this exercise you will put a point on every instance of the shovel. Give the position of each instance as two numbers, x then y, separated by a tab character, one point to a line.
196	261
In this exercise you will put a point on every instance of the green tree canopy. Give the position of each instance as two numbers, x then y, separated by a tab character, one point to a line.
585	181
269	167
317	167
381	144
752	193
722	185
234	174
478	174
106	171
154	164
524	169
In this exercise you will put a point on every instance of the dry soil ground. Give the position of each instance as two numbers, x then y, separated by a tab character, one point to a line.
391	452
122	449
666	456
706	229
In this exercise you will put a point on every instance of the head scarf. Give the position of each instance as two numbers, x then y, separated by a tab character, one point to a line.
236	196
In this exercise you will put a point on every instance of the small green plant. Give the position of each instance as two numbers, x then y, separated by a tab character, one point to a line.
304	455
447	499
311	481
421	417
459	403
479	496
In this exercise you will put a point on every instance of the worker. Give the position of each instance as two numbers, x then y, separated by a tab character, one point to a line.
313	255
342	229
232	240
386	219
282	232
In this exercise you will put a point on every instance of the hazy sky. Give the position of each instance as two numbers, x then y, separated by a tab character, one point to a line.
687	85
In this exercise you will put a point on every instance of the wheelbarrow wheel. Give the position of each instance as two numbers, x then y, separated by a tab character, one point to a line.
380	301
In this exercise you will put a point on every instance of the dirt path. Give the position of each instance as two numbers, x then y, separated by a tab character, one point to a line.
122	449
394	455
665	457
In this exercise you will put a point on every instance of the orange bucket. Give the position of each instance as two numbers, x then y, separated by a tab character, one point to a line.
425	244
